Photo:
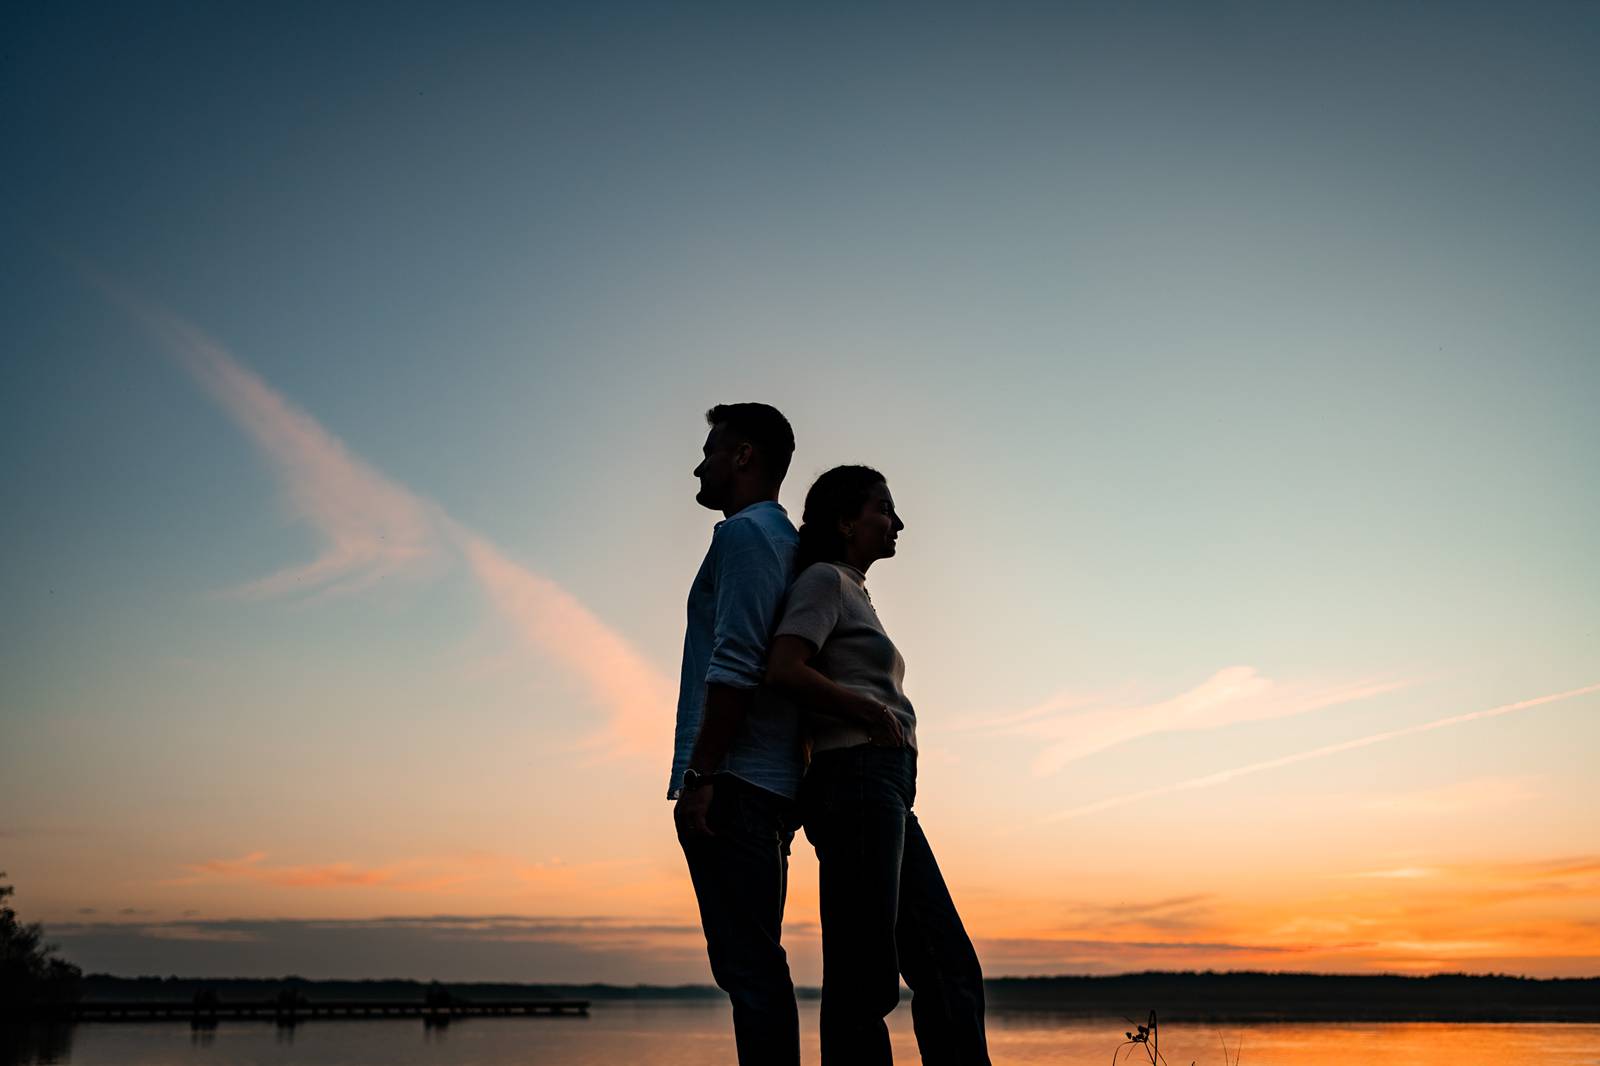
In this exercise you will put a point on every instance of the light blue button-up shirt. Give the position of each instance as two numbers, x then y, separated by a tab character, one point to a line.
734	604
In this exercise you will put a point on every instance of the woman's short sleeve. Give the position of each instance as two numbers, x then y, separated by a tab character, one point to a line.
812	608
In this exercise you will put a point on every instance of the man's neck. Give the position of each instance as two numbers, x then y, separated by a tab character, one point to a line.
742	501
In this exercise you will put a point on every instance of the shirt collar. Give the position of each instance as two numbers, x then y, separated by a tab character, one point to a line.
852	573
757	506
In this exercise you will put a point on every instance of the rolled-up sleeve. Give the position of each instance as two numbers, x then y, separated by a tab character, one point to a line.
751	578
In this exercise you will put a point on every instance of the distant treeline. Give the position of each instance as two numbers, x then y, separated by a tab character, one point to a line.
1306	997
101	987
1176	996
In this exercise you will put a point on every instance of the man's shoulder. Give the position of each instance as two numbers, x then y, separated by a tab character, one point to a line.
754	527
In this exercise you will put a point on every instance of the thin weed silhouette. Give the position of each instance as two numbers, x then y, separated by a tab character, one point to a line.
1147	1038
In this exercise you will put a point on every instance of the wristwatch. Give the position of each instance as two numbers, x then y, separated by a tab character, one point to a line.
693	779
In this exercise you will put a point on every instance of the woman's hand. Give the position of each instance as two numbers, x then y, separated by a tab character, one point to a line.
789	668
885	729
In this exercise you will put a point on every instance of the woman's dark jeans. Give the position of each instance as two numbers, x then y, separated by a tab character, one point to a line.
886	913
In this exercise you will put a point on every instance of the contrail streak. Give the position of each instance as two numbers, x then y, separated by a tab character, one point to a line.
1223	776
376	527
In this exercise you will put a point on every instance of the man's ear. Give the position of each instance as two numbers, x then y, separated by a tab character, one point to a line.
744	455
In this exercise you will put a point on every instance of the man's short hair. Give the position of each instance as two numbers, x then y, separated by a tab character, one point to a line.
761	425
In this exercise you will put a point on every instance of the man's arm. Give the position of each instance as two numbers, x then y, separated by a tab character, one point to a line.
725	709
751	580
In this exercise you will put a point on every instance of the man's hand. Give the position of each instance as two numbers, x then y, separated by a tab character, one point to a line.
691	810
886	730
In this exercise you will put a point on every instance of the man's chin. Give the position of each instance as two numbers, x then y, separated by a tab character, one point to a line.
706	500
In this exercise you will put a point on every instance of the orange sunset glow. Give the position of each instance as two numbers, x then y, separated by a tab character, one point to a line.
1234	373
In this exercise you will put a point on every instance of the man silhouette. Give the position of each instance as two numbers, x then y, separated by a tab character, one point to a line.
737	757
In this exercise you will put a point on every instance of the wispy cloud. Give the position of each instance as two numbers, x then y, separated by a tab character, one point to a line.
1013	721
1571	878
199	934
375	528
1459	915
404	877
372	527
1488	884
1531	916
1457	798
1224	776
455	948
1073	727
636	885
1168	915
551	619
1003	956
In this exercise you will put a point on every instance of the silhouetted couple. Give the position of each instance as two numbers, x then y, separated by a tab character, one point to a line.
784	654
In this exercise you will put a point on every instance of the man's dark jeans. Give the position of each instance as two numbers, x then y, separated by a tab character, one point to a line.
741	877
886	913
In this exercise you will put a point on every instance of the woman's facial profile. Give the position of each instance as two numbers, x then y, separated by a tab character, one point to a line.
878	525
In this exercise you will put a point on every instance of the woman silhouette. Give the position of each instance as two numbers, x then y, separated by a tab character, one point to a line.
886	912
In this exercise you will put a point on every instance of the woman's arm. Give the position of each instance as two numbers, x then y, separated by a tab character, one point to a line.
789	668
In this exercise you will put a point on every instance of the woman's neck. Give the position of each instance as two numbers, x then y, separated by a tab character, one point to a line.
851	557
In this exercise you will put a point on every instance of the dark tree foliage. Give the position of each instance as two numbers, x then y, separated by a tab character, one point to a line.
29	974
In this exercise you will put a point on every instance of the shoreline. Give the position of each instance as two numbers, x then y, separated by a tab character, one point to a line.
1189	997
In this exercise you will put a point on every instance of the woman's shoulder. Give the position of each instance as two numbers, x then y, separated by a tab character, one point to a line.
820	577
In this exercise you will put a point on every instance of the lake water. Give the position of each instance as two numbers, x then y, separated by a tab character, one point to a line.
697	1034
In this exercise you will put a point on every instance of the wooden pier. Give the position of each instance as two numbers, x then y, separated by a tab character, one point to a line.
204	1013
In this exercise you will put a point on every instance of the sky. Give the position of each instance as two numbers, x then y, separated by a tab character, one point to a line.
1234	368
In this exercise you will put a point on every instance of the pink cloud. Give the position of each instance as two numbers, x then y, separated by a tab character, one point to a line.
405	877
1457	798
549	618
375	528
1067	728
1224	776
372	527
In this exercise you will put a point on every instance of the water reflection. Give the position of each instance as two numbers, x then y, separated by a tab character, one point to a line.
23	1045
202	1033
646	1034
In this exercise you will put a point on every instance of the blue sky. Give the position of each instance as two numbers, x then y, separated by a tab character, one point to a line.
1250	338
